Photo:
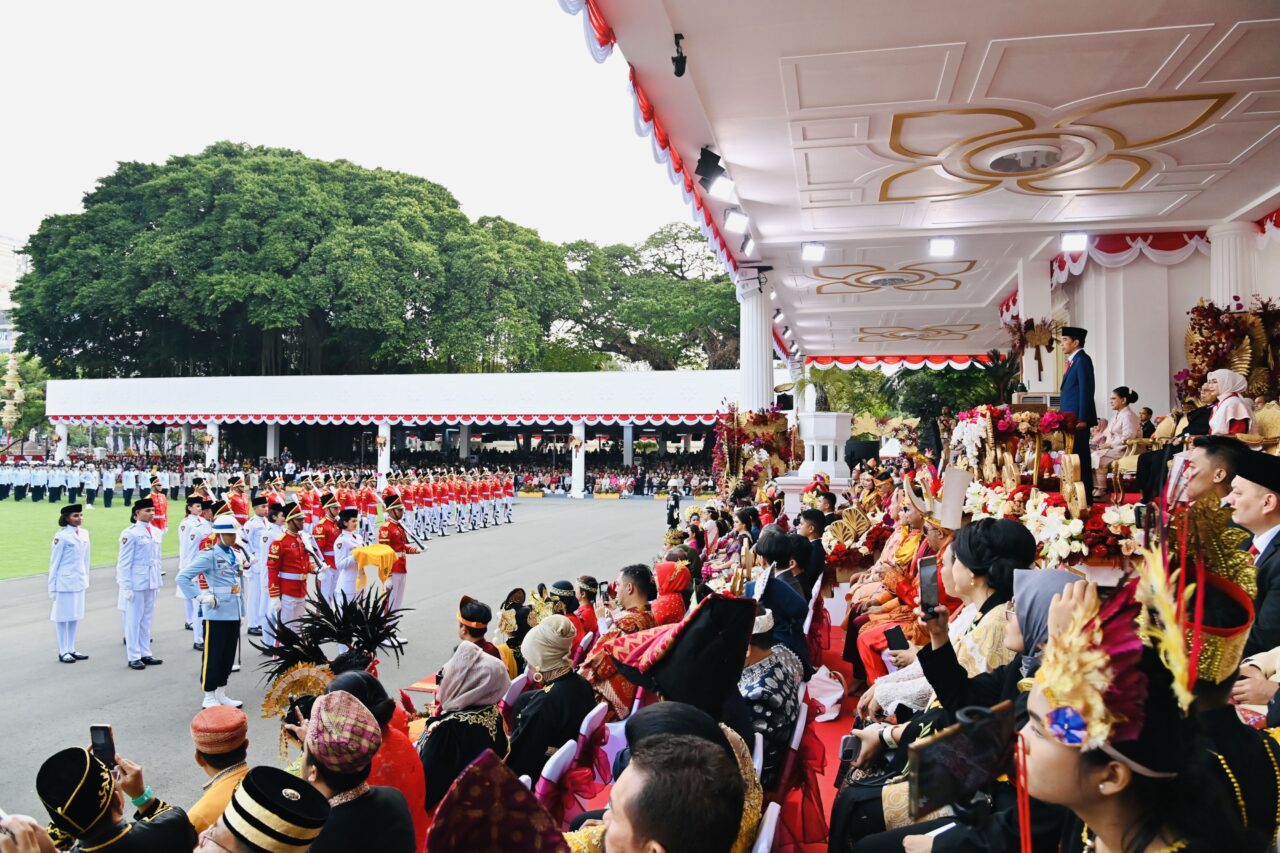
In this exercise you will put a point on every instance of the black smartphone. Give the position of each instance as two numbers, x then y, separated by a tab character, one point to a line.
897	639
929	586
850	746
103	742
962	759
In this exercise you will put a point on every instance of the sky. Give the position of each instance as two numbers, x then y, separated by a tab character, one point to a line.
498	100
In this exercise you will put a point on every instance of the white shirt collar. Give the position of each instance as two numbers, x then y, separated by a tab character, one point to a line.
1263	540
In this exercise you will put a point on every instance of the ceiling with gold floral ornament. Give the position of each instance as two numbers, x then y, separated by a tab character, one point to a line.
871	127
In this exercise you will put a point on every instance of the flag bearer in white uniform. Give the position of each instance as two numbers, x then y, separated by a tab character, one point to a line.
138	576
68	580
256	544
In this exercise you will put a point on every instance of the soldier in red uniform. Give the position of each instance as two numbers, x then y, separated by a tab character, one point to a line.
393	535
426	506
326	534
367	503
238	500
309	503
288	564
346	494
508	494
160	521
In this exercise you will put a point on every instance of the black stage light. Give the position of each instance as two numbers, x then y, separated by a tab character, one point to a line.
679	61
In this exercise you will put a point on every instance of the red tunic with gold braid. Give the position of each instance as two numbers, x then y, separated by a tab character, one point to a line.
288	565
326	536
392	535
239	505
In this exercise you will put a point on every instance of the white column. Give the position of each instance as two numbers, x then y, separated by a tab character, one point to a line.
755	349
1233	264
384	453
211	449
1035	302
628	445
273	441
686	442
579	460
60	452
186	441
464	441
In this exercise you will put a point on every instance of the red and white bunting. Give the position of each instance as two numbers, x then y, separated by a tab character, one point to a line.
599	34
881	362
1118	250
1270	228
199	420
1009	309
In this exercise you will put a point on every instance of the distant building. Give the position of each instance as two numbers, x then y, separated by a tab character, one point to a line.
12	267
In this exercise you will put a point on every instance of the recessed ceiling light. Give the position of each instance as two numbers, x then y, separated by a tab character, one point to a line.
1075	241
812	252
942	247
735	221
773	294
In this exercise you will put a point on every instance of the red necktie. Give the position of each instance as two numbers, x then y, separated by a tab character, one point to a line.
1253	550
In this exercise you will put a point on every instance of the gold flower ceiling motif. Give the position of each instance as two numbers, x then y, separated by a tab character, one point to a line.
955	151
935	332
926	276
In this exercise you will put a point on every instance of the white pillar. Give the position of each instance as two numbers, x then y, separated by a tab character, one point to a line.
1035	302
1233	264
186	441
579	460
273	441
384	453
60	452
211	449
628	446
464	441
755	349
686	442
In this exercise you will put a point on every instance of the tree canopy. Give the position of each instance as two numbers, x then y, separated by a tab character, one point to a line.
247	260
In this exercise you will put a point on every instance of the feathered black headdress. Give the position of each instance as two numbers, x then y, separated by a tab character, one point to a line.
363	624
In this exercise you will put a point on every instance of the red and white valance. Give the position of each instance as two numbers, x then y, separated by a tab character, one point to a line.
665	154
1009	309
881	362
199	420
599	34
1270	225
1118	250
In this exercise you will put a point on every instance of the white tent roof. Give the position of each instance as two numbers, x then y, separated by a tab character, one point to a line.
680	397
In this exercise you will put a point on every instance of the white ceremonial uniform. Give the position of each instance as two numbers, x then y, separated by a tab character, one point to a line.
255	534
138	576
68	580
346	563
274	532
191	530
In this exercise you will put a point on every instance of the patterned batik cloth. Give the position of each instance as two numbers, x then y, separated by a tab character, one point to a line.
488	810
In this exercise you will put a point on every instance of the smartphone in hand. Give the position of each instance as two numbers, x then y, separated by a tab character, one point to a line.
103	742
929	586
896	638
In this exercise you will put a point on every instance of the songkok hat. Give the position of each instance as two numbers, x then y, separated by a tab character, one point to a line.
1263	469
236	480
291	511
71	508
348	514
219	730
342	735
76	789
145	503
273	508
260	500
548	645
275	811
329	499
226	524
1075	332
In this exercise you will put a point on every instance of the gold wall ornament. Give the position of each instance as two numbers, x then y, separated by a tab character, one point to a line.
934	332
1085	147
917	276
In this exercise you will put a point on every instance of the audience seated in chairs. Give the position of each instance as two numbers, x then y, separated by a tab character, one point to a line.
769	684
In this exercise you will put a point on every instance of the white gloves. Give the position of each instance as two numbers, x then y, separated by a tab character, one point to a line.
207	599
275	605
128	595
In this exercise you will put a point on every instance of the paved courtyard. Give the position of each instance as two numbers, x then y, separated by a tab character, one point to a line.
48	705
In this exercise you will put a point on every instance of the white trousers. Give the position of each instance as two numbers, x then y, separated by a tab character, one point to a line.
395	591
66	637
254	591
138	614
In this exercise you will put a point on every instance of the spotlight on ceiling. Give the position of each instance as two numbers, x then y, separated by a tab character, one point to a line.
1075	241
735	221
708	168
679	61
773	294
942	247
786	332
748	246
776	312
722	189
812	252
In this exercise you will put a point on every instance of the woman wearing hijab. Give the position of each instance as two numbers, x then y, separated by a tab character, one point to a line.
469	722
1232	413
547	718
1113	442
857	816
395	764
669	607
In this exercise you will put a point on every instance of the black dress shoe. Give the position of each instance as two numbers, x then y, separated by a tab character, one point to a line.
67	658
198	646
254	632
186	626
150	661
79	656
137	664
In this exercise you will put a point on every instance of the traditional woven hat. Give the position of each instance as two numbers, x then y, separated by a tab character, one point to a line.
342	735
276	812
219	730
76	789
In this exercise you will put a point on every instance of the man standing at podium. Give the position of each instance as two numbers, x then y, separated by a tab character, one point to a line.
1077	398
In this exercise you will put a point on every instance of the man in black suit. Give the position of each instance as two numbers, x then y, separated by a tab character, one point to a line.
1255	495
1076	395
811	524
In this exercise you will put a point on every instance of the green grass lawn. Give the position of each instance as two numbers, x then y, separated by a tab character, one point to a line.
28	532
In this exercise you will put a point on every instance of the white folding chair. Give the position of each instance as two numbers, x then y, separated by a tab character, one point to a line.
588	640
526	781
590	724
558	765
508	704
757	754
793	748
768	829
813	605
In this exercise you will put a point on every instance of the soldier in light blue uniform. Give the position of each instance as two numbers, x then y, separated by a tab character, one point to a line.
68	580
222	606
138	576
